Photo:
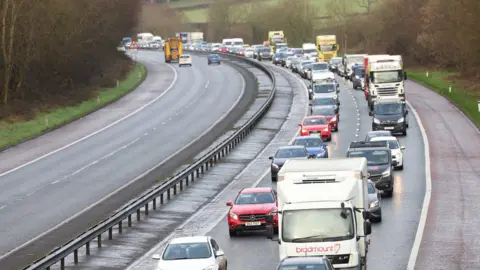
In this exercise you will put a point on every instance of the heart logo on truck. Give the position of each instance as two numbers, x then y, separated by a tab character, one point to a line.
336	247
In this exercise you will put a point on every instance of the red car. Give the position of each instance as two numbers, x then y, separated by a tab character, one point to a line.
248	211
223	49
329	113
316	125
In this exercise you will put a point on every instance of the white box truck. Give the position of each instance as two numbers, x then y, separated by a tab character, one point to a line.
321	210
349	61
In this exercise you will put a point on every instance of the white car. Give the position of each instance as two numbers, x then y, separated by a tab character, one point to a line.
322	75
192	253
185	60
395	147
249	52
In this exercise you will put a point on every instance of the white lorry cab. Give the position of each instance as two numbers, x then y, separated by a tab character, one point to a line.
237	42
310	51
323	210
384	77
349	61
145	36
228	42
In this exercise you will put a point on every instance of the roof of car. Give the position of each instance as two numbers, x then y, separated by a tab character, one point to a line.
384	138
302	260
291	147
189	239
378	131
256	190
314	117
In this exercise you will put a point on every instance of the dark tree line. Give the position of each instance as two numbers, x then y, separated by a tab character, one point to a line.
57	52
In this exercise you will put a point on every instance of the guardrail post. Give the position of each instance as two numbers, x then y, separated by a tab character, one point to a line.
181	183
87	248
138	215
62	264
192	177
154	203
75	256
129	220
198	172
169	194
110	233
202	170
146	209
99	241
175	189
120	225
161	198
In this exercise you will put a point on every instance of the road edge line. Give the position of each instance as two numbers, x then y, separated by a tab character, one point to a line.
428	193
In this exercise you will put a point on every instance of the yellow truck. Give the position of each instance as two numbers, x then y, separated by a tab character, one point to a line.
173	49
276	40
327	47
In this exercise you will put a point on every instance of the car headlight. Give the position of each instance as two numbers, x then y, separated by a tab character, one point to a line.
273	212
233	215
325	129
401	120
310	90
335	97
211	267
376	121
386	173
374	204
322	154
333	119
304	131
356	77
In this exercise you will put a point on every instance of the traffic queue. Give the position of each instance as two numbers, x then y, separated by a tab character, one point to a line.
319	209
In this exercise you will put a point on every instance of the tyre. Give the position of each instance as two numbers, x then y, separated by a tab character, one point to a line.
400	167
232	233
404	133
190	64
274	179
388	193
354	87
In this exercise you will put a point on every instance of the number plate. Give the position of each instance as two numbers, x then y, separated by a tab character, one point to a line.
388	127
256	223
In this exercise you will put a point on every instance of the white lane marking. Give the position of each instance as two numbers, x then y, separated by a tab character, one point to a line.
98	131
227	188
206	85
3	207
71	174
428	194
135	179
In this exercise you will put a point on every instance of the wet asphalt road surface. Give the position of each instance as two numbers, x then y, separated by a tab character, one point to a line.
43	194
392	239
451	239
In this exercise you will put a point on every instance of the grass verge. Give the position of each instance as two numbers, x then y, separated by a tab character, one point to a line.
440	83
15	133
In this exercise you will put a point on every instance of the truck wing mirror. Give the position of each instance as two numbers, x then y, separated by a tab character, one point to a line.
366	215
367	227
405	75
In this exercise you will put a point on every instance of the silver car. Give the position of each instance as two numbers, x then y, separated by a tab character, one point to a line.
288	61
374	202
324	90
249	52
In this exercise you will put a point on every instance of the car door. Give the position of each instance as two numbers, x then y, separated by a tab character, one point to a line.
221	261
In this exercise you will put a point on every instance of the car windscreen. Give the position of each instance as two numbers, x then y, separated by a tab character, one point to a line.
290	153
387	76
304	266
255	198
323	88
309	142
314	121
374	134
304	64
187	251
388	108
374	157
323	101
309	50
320	66
359	72
325	111
265	49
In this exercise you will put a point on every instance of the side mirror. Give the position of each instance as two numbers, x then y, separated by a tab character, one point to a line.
269	232
394	163
156	257
311	156
370	113
229	204
338	90
367	226
338	85
405	75
406	112
402	147
271	158
219	253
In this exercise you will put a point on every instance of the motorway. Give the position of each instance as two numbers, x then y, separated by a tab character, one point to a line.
392	239
45	193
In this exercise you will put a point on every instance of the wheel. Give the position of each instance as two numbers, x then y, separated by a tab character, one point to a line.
355	87
232	233
274	179
388	193
404	133
400	167
275	230
379	219
190	64
209	64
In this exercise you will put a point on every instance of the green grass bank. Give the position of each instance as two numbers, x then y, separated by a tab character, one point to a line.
15	133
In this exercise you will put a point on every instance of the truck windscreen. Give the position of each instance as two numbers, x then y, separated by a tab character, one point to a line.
392	76
388	108
327	47
317	225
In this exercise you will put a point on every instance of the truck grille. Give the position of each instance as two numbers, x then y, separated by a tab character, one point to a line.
339	259
252	217
387	91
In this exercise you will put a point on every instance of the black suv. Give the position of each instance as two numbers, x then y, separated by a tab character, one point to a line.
390	114
379	161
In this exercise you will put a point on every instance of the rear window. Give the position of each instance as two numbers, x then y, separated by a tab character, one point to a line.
185	56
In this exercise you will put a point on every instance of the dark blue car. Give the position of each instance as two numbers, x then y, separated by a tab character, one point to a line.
213	59
357	77
314	145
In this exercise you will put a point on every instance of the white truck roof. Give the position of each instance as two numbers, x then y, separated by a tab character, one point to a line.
299	168
328	192
308	46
